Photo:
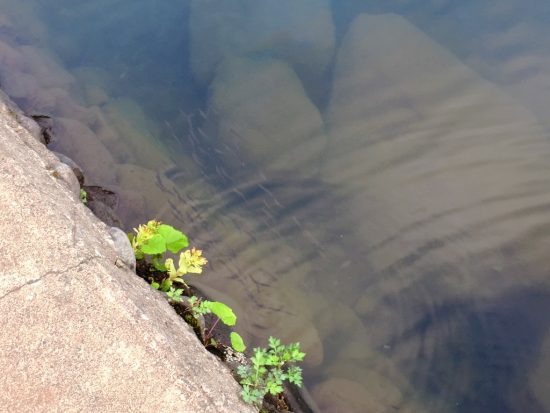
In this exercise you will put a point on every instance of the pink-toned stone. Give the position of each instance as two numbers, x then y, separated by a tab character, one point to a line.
79	333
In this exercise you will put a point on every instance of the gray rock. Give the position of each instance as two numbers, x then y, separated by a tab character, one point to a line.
33	127
28	123
83	334
123	247
77	170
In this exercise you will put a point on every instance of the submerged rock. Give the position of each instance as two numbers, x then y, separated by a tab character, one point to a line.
299	32
80	142
416	165
263	110
137	133
338	395
95	95
539	379
441	173
45	68
10	59
142	180
151	194
103	203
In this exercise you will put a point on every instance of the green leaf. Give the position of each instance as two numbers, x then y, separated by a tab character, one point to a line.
274	343
223	312
165	285
169	233
274	388
157	264
237	342
242	371
154	245
175	240
174	294
259	357
295	375
155	285
297	355
178	245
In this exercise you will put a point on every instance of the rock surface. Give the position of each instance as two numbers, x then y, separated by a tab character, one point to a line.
123	247
83	334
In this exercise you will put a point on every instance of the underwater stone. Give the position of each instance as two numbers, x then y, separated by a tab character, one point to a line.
19	85
81	144
137	132
10	59
45	68
421	149
339	395
299	32
264	111
539	378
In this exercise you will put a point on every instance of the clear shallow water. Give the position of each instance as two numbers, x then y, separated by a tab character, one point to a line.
374	186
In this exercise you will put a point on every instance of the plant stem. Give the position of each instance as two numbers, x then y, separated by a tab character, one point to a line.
208	335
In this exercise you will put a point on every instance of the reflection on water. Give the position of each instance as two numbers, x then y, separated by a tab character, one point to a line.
373	185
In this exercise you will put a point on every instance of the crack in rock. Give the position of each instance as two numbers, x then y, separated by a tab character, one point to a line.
35	280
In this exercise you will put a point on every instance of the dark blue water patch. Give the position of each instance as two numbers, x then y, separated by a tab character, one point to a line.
494	345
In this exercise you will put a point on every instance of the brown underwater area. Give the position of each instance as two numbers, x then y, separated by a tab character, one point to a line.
395	221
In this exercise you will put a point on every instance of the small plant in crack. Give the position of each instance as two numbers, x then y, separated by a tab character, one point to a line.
154	239
270	368
174	294
223	313
83	196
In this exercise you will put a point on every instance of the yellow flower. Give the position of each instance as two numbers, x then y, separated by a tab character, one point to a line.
192	261
145	232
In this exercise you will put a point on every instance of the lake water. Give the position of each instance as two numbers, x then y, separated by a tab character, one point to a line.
370	178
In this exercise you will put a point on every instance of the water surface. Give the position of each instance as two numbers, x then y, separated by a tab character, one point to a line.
369	178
